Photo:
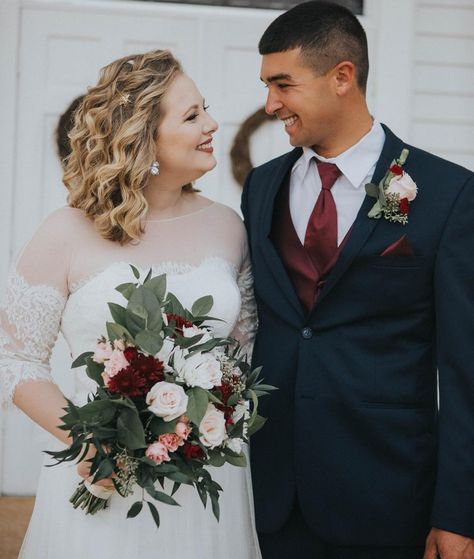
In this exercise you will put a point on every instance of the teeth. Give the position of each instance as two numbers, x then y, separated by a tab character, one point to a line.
205	146
290	121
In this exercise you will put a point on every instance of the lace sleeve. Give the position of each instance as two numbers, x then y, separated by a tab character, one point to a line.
29	324
31	309
246	326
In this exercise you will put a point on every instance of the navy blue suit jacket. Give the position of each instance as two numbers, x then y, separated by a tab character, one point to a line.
354	429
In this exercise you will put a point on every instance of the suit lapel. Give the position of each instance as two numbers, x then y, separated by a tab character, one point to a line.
363	225
272	258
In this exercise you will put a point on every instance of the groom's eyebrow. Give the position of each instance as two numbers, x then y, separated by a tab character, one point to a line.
277	77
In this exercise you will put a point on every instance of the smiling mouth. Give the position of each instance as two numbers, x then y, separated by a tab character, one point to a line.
207	147
289	121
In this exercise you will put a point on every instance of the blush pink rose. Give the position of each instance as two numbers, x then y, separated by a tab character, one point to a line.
404	186
158	452
116	363
182	430
171	440
102	352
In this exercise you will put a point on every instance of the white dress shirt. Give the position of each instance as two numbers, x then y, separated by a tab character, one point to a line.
357	165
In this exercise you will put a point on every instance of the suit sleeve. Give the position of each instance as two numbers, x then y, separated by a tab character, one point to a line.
453	507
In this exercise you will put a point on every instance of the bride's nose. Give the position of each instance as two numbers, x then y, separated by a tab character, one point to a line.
211	125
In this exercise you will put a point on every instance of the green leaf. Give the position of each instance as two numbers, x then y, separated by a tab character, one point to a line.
176	486
145	304
216	458
232	401
134	322
148	341
372	190
161	496
197	404
130	431
173	305
126	289
215	505
239	460
97	411
376	211
135	509
94	371
118	313
118	332
257	424
81	360
159	427
158	286
104	471
136	273
154	513
148	276
202	306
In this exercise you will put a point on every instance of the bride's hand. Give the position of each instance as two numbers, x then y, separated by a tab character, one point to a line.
84	470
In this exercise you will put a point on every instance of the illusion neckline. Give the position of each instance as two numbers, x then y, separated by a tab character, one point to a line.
180	216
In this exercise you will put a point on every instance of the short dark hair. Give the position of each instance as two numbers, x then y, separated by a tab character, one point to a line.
327	34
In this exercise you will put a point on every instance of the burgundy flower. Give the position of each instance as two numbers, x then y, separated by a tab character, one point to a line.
137	379
404	206
193	451
180	322
130	353
396	170
226	390
127	383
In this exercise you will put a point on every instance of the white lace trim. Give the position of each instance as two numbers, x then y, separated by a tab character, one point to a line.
169	267
30	317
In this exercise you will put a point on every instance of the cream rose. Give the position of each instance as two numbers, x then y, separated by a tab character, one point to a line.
167	400
235	445
202	369
212	427
404	186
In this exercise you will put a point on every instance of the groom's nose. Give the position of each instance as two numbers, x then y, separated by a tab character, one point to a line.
273	104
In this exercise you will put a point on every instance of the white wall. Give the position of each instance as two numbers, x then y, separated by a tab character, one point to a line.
421	84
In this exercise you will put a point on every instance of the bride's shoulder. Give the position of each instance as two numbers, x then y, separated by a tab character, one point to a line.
66	222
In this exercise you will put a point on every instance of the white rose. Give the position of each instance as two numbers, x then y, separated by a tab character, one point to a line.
165	351
167	400
191	331
202	369
212	427
241	410
404	186
235	445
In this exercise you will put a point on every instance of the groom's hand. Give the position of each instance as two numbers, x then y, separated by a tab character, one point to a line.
447	545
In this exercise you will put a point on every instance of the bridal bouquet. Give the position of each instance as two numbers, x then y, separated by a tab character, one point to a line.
171	399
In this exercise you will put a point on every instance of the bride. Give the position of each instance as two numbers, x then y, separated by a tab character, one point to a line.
141	136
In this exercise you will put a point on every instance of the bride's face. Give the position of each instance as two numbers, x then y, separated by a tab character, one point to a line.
184	147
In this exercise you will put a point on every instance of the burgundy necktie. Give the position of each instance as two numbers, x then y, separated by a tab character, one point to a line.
321	233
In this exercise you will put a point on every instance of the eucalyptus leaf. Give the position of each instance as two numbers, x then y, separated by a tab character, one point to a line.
118	313
197	404
130	431
135	509
376	211
154	513
202	306
135	271
117	332
173	305
148	341
81	360
236	460
126	289
158	286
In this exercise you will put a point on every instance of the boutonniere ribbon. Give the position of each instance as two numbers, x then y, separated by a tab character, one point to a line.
394	193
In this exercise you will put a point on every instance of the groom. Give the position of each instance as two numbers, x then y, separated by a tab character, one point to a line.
363	302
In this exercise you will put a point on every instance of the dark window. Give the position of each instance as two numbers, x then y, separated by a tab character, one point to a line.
356	6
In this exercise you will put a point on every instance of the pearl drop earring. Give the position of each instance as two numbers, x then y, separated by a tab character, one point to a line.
155	168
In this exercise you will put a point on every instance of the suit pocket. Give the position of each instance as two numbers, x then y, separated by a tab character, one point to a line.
396	261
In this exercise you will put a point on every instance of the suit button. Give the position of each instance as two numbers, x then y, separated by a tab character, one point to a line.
306	333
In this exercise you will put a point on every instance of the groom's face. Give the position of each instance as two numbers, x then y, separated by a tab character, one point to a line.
305	102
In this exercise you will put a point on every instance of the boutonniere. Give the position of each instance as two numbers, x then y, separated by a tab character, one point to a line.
394	193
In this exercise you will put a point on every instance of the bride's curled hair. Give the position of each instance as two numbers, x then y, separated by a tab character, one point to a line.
113	143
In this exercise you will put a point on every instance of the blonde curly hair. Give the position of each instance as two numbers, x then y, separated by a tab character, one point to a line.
113	143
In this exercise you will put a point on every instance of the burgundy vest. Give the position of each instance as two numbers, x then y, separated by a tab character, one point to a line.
307	279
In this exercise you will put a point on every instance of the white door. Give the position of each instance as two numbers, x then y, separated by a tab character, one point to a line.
62	45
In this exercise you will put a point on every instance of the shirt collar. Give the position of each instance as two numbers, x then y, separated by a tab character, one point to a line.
356	162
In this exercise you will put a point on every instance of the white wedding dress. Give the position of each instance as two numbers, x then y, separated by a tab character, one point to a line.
63	281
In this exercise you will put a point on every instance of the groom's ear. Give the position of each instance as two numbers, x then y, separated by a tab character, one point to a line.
345	77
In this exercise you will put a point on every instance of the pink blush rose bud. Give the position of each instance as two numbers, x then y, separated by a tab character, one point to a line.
102	352
116	363
158	453
171	441
182	430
